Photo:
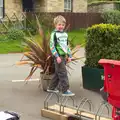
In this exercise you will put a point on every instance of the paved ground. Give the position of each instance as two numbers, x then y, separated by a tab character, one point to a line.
27	99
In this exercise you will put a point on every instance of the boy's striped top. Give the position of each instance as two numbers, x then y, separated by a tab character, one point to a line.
61	47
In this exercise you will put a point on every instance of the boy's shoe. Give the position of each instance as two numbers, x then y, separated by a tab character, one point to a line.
52	91
68	93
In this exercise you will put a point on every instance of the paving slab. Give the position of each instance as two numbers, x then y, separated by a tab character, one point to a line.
28	99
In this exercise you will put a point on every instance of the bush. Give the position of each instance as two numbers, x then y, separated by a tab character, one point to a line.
15	34
99	0
102	42
112	17
3	38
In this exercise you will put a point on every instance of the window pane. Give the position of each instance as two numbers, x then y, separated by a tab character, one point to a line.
65	3
69	6
1	3
1	12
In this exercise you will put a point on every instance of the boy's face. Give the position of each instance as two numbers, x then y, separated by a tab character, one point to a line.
60	26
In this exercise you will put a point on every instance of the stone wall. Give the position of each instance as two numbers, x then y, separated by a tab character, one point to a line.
13	6
101	7
40	6
55	6
79	5
58	5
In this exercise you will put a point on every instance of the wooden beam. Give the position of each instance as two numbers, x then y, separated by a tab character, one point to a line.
53	113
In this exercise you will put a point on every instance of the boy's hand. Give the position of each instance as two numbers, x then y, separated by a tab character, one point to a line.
59	60
69	59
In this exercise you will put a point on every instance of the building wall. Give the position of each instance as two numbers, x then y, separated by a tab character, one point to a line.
55	6
13	6
79	5
40	5
58	6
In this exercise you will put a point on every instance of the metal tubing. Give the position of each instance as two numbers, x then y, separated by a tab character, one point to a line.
48	97
100	110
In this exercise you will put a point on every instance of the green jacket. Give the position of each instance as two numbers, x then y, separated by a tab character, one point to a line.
59	46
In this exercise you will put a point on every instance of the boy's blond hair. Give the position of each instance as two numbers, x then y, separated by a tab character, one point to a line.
58	19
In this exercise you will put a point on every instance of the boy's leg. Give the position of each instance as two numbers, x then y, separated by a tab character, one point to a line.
55	80
62	75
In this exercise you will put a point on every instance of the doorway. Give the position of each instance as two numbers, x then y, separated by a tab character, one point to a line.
28	5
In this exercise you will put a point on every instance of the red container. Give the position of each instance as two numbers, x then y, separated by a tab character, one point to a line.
112	80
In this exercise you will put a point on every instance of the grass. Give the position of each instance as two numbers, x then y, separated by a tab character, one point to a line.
10	47
78	37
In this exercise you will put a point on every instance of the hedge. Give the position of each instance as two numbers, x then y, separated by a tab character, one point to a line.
111	17
102	42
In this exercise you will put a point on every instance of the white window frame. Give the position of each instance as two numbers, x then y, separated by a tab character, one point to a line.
67	5
2	8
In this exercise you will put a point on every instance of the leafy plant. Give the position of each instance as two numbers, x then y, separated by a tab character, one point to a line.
15	34
3	38
89	1
102	42
39	54
112	17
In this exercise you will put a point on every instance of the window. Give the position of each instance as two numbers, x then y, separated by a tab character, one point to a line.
1	9
68	5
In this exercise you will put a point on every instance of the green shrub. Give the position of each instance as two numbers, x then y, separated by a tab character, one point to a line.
15	34
112	17
3	38
99	0
102	42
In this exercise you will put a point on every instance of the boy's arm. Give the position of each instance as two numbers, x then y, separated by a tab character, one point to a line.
52	46
69	52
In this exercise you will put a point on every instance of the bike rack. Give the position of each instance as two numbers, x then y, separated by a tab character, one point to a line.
48	97
101	108
62	102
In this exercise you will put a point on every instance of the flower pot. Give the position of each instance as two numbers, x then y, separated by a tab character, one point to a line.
45	80
92	78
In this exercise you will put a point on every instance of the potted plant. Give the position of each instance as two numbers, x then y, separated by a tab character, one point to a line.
100	43
39	56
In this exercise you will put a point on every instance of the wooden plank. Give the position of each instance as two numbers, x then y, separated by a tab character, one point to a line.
55	115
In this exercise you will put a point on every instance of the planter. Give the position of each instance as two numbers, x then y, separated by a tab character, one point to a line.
45	80
92	78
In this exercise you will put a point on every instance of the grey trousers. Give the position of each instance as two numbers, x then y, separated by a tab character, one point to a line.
60	78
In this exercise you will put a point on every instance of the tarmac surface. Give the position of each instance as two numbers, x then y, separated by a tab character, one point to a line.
27	99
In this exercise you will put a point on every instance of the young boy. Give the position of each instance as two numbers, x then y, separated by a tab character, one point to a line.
60	50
